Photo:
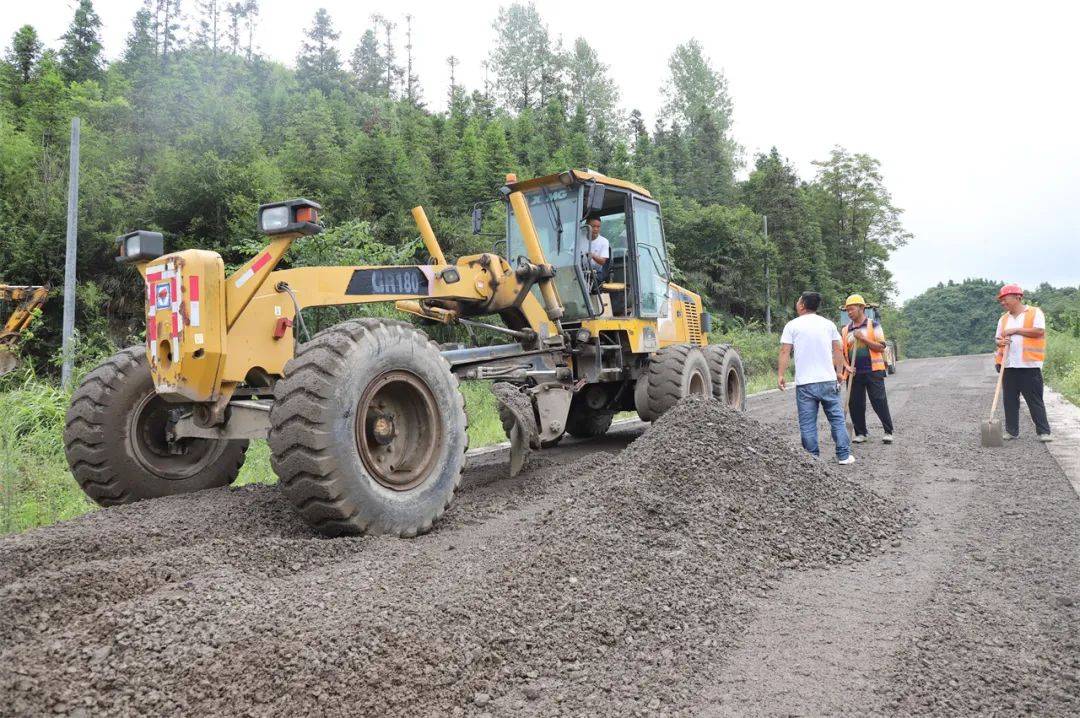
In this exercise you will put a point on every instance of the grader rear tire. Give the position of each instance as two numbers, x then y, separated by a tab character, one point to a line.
115	442
675	372
728	376
368	430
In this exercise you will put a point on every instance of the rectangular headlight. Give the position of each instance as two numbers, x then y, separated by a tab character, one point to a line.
294	216
140	246
274	218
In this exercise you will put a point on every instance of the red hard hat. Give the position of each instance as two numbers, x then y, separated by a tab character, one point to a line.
1010	289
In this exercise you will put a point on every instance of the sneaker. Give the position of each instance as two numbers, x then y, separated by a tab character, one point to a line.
859	439
1045	438
887	438
849	460
1010	437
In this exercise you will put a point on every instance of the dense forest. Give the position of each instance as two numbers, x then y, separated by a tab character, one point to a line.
191	128
960	318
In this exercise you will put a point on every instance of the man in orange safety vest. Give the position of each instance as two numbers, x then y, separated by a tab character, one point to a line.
867	338
1021	350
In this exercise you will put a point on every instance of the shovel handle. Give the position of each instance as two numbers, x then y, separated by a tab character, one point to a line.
997	391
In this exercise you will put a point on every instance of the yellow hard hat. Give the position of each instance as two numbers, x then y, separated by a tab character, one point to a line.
854	299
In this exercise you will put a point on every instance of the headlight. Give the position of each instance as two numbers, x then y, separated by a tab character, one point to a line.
274	218
294	216
140	246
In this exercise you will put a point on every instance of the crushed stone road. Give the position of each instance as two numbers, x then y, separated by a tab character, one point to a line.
707	568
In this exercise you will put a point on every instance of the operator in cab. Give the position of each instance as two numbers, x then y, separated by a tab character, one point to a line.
599	246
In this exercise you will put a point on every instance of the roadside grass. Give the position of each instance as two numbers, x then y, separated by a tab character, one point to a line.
1062	367
36	488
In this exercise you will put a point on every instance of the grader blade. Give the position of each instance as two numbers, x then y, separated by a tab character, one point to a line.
525	434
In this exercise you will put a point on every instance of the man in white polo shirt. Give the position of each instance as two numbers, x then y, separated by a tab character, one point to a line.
599	246
819	364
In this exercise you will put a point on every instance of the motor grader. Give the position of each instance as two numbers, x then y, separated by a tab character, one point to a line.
365	420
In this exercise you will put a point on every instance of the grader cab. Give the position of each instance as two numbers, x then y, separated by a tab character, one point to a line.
365	420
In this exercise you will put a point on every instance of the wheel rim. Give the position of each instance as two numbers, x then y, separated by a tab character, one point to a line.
149	442
398	426
697	383
733	389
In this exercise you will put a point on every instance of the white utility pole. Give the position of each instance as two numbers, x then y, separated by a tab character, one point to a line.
69	259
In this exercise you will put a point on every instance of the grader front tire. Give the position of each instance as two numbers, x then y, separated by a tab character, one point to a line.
368	430
116	444
674	372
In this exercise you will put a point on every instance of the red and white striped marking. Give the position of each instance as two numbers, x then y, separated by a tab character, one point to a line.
174	307
258	264
193	300
153	276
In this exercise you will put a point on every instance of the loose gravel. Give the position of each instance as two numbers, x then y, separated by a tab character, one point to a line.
594	588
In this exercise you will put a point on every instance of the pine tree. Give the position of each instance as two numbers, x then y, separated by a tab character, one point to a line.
25	52
318	64
367	65
80	56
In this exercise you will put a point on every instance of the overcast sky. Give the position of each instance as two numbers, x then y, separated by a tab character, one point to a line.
973	109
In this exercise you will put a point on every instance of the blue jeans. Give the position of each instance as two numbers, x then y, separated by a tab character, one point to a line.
827	394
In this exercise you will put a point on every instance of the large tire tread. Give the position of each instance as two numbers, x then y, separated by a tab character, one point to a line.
311	475
95	456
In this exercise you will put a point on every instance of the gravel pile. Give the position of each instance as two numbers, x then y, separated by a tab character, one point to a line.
595	589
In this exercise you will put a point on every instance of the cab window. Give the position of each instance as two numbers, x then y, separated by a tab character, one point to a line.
651	258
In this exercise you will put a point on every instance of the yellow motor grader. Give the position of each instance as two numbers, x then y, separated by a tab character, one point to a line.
365	420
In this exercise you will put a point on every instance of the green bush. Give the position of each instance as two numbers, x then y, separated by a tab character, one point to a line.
1062	367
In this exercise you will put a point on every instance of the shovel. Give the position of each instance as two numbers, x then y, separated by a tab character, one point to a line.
847	390
990	430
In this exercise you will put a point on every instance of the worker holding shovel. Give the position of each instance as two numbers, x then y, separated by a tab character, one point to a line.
865	339
1021	349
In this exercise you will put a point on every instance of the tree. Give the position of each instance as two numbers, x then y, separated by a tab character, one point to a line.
25	52
80	56
318	64
775	191
590	87
697	101
521	57
211	26
412	82
391	70
368	65
860	227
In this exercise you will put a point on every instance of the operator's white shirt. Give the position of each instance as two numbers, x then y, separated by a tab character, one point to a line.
600	247
812	337
1015	358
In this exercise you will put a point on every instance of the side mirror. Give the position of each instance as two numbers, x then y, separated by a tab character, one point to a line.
595	201
477	220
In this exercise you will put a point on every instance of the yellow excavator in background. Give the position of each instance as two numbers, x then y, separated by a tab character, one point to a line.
365	420
26	299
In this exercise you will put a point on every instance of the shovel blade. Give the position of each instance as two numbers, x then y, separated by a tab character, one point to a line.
990	433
